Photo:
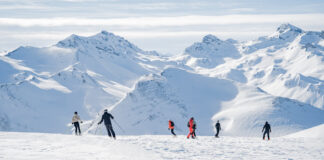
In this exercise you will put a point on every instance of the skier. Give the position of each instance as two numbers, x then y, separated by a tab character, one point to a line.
106	118
192	127
75	122
267	130
218	128
171	127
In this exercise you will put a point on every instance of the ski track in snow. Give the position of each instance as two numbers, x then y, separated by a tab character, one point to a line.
15	146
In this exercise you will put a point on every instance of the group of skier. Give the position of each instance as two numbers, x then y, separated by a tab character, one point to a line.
192	128
106	118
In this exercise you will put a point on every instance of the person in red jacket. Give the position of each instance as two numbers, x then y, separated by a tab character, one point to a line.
171	127
192	127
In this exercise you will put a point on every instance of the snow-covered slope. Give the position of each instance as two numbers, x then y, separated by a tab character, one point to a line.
175	94
315	132
36	146
276	78
42	87
259	78
288	63
252	107
178	95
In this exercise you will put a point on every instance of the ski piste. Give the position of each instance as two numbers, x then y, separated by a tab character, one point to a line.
39	146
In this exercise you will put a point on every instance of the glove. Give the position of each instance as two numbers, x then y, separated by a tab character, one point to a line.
168	128
81	121
98	123
72	123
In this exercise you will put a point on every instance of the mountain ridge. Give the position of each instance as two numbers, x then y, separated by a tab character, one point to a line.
207	81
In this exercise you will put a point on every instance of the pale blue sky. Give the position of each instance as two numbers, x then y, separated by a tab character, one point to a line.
166	26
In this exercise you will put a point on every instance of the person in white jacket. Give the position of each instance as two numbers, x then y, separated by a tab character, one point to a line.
75	121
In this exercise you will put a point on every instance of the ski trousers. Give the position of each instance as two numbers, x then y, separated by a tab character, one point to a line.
268	134
172	131
77	128
217	132
192	133
110	130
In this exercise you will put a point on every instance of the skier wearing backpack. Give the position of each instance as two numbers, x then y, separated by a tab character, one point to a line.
192	127
75	121
218	128
106	118
171	127
267	130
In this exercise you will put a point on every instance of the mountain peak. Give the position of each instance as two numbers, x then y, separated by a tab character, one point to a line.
210	39
104	33
71	41
102	42
288	27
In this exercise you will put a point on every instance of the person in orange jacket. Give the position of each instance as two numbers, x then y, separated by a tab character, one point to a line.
171	127
192	127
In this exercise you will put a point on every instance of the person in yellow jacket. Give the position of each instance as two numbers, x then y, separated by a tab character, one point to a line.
75	121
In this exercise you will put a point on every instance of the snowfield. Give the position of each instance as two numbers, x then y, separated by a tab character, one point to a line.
18	146
277	78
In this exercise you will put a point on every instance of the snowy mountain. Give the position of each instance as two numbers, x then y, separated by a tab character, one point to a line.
42	87
174	94
177	95
288	63
276	78
210	52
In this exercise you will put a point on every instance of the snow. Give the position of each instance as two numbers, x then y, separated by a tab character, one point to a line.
175	94
315	133
57	146
54	146
210	52
49	84
321	43
276	78
42	86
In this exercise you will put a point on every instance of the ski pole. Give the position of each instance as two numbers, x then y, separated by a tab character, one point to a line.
119	126
96	129
97	125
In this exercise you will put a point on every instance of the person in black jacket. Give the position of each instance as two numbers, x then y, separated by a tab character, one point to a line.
106	118
218	128
267	130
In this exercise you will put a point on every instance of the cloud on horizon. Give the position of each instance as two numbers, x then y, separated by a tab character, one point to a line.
165	26
315	19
